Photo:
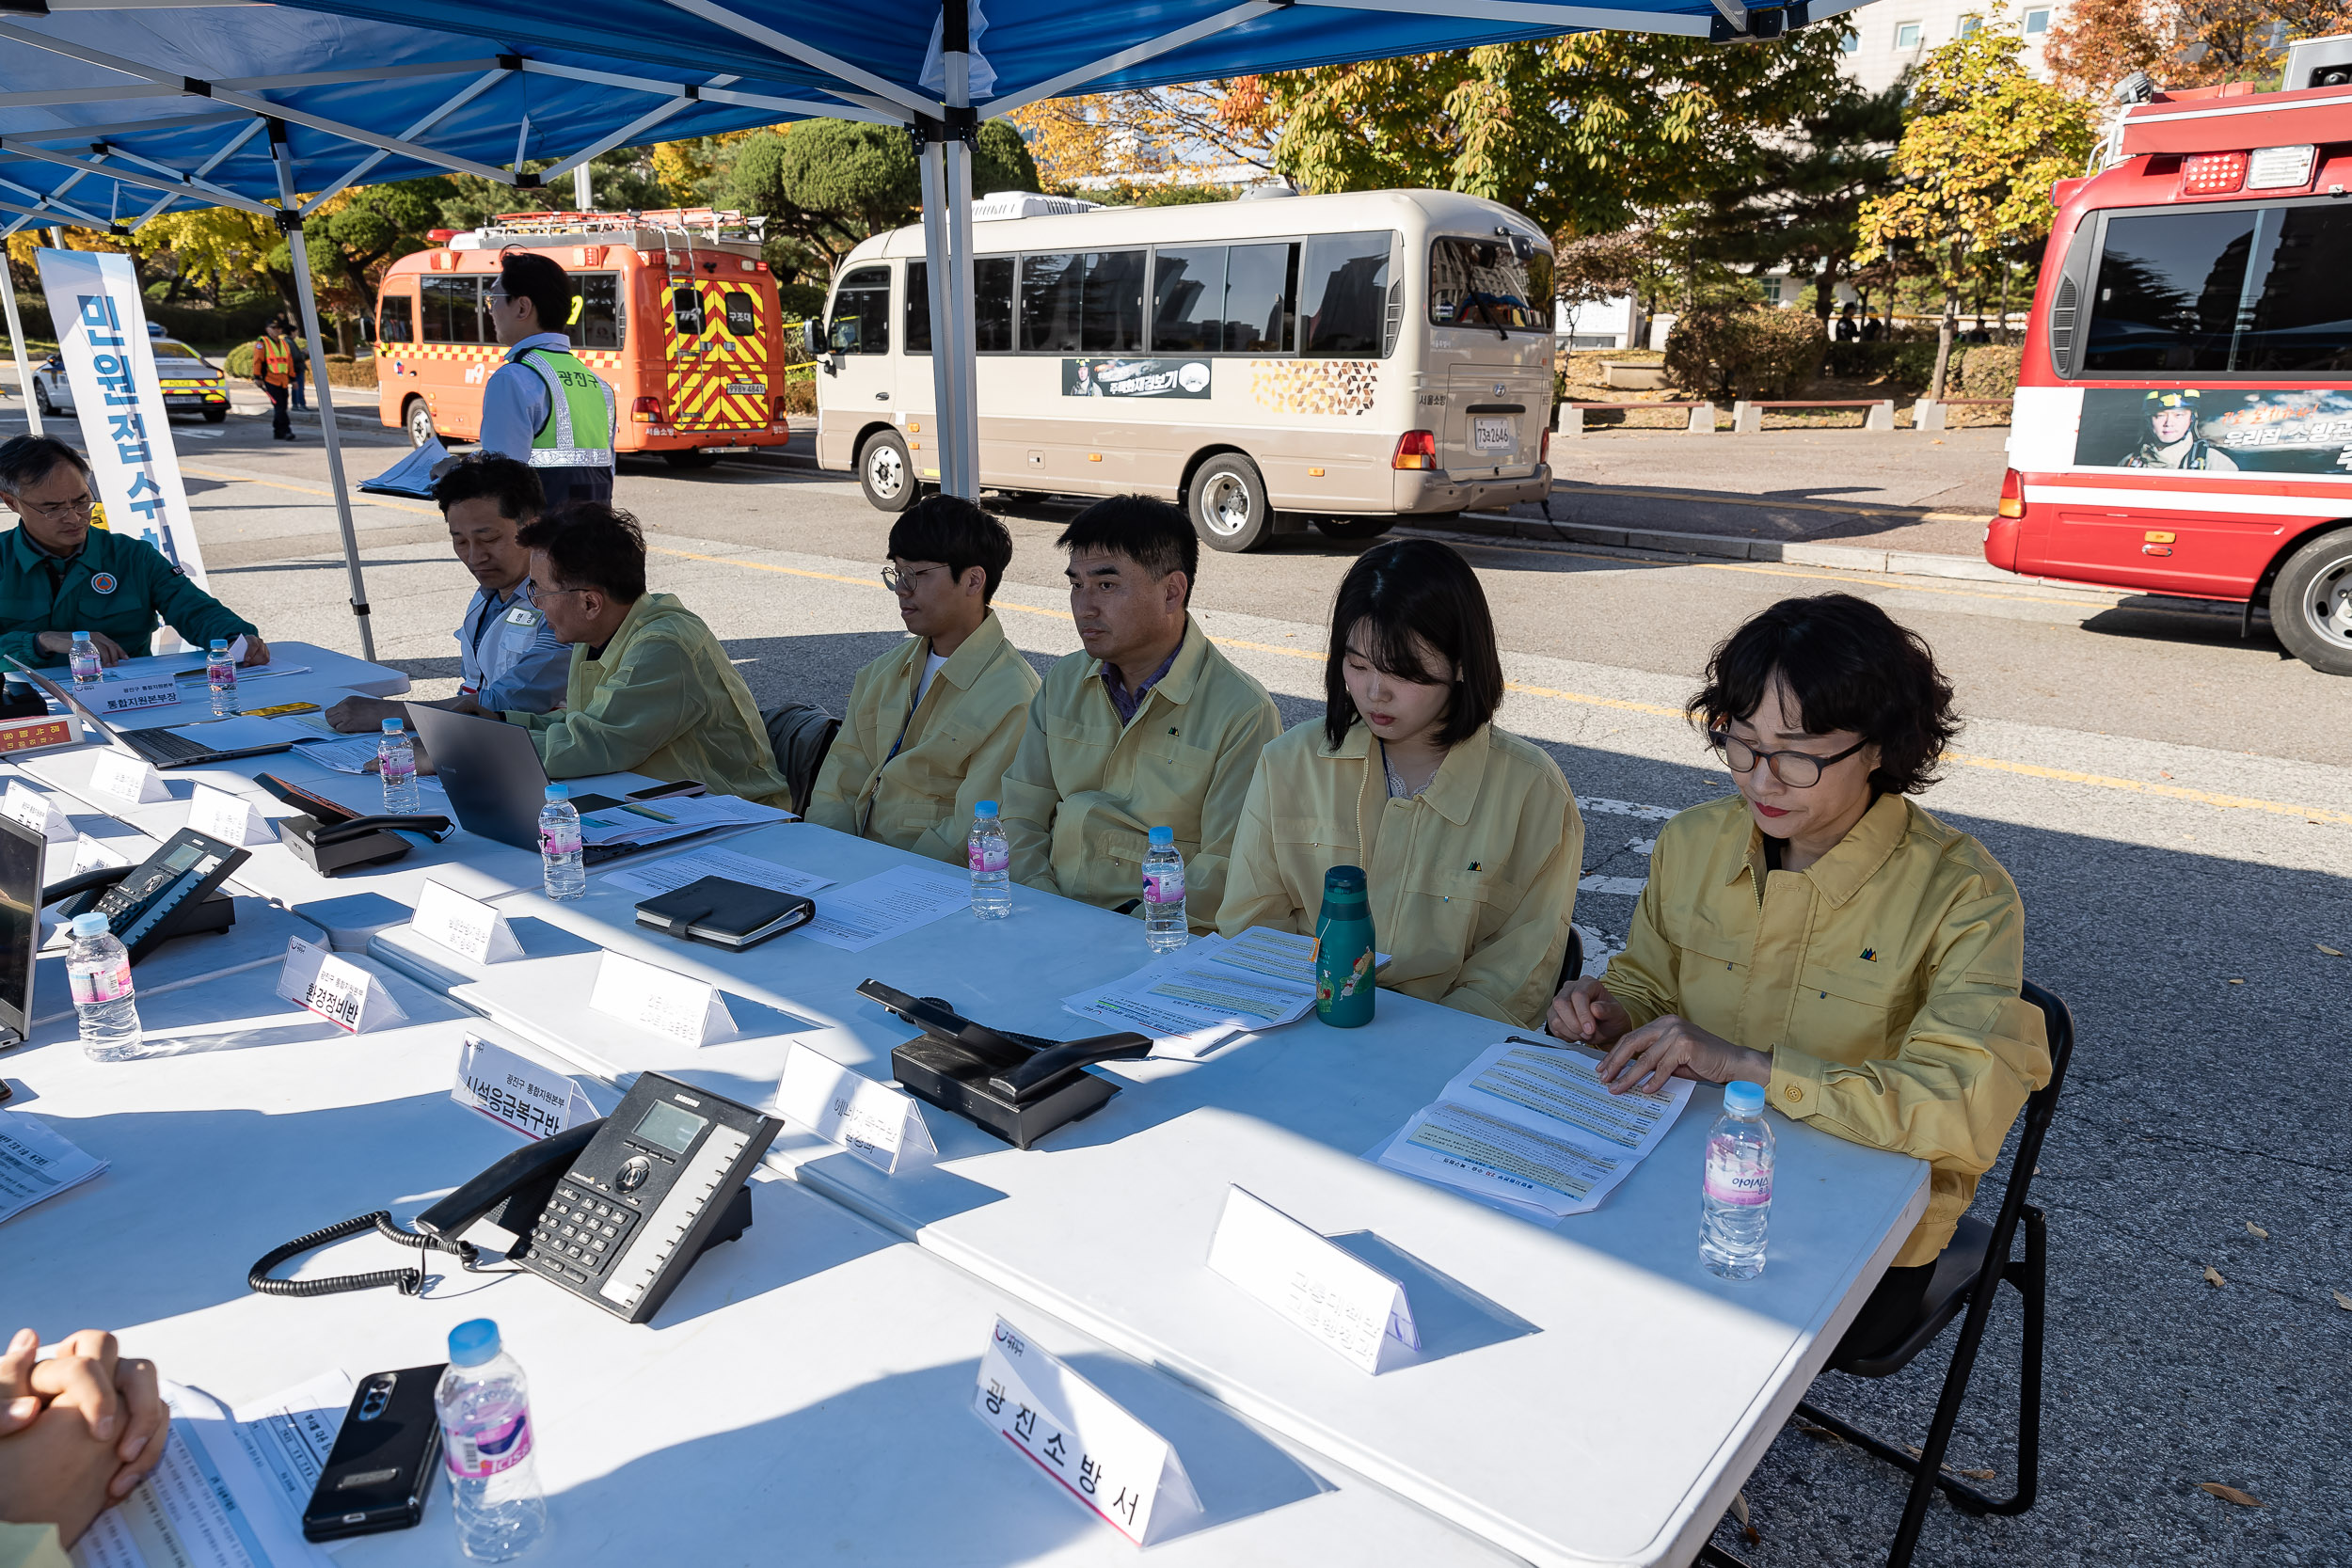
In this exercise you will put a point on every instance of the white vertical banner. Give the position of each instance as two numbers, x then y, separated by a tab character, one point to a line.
101	322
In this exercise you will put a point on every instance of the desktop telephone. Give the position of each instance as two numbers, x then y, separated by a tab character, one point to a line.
615	1211
174	893
331	838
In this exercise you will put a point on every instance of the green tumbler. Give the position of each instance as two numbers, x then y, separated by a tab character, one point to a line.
1343	950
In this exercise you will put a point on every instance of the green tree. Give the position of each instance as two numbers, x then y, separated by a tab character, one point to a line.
829	183
1583	134
1982	145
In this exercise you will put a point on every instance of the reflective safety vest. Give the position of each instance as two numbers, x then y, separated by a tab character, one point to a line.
579	430
274	359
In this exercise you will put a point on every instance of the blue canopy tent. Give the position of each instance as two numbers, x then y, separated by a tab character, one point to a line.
112	115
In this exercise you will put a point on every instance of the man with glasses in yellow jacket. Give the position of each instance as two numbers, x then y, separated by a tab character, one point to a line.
1149	727
932	723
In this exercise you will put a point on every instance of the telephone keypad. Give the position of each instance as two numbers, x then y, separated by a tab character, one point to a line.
578	1233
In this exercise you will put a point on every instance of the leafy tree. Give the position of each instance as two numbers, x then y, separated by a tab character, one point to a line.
1583	134
1983	143
827	184
619	181
2181	43
1185	131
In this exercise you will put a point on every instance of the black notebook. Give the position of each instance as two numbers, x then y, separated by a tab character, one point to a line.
725	914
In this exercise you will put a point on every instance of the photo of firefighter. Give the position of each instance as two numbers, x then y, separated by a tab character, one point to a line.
2161	432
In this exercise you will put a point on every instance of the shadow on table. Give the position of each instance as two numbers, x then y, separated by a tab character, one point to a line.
1451	1317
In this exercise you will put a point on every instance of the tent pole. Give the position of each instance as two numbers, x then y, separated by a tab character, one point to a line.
16	347
960	424
291	223
936	271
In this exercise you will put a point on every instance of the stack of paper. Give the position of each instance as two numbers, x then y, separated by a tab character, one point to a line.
36	1164
1531	1128
892	904
678	870
1210	990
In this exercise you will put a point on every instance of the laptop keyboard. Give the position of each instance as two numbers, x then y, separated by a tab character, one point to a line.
162	746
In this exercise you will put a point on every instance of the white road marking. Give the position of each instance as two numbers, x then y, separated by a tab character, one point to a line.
1623	887
1640	846
1627	808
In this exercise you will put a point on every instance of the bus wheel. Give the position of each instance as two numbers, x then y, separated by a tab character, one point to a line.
1229	504
418	419
887	473
2310	603
689	457
1354	528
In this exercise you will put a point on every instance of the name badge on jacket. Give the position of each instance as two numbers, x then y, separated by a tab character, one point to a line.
522	615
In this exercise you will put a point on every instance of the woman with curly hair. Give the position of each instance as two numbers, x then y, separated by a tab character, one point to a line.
1820	934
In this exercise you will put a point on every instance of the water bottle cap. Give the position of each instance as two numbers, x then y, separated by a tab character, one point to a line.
559	792
392	726
1163	839
81	637
1344	878
220	644
90	924
986	808
473	1343
1745	1097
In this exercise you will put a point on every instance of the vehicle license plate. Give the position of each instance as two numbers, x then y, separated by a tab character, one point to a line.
1492	432
746	388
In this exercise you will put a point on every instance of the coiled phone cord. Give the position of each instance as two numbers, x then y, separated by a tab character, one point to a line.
410	1282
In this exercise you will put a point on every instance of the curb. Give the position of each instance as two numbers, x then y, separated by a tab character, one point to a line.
1846	557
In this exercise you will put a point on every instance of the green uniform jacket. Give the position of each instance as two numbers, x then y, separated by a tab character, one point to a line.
1083	793
118	585
663	701
956	744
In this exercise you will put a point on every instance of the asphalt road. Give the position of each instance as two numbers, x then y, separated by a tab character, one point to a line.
2176	806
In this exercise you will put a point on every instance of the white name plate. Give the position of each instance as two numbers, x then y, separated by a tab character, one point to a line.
877	1123
466	927
90	855
231	818
36	811
336	989
517	1092
673	1006
130	693
128	779
1126	1474
1338	1300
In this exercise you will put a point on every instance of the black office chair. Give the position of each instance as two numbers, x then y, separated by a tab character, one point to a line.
1970	1271
1571	961
800	733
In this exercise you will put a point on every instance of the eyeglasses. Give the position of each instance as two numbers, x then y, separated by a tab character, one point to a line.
1797	769
81	507
903	582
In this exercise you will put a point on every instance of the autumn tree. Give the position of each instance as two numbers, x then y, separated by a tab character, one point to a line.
1175	135
1982	145
829	183
2181	43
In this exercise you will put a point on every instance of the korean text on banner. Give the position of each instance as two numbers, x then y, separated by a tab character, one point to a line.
102	334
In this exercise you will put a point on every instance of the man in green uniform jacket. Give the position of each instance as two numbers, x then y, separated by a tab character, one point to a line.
650	689
59	576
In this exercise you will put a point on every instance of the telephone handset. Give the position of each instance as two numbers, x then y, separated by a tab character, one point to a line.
613	1210
171	894
330	837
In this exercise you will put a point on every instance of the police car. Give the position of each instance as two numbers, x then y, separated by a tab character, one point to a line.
192	385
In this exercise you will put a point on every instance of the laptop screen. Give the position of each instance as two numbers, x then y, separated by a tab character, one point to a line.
21	850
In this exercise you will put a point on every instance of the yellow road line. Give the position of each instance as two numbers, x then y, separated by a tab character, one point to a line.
2137	786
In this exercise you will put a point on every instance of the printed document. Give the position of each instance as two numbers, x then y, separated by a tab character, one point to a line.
678	870
207	1505
1209	990
1530	1127
898	901
36	1164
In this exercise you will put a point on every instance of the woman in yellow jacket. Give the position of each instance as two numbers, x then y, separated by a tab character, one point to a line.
1468	836
1820	934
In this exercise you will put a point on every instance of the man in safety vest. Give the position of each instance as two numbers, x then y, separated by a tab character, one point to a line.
543	406
272	372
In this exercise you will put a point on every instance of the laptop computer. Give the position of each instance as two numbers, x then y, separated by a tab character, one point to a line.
497	783
158	746
21	851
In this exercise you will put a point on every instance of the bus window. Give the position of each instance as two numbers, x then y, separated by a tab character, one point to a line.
1261	297
686	310
2250	289
1188	300
861	313
1485	284
1113	317
742	316
451	307
396	319
599	318
1344	295
992	312
1051	295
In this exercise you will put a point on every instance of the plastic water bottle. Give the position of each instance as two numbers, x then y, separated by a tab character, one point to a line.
1738	1198
484	1406
220	678
83	660
99	969
563	867
989	856
396	758
1163	927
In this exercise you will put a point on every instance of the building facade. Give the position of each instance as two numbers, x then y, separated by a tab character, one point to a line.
1888	37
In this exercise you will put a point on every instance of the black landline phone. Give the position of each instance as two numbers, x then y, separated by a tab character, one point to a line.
615	1211
174	893
1018	1086
330	838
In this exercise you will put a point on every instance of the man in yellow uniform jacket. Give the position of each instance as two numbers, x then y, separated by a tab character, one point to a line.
650	689
1150	727
933	723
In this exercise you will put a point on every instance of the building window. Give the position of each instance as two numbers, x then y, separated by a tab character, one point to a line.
1969	24
1772	291
1906	34
2037	22
1850	44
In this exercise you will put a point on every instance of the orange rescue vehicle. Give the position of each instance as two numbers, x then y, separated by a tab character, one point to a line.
674	309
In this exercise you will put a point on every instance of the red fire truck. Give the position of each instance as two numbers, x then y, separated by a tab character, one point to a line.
674	309
2184	417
